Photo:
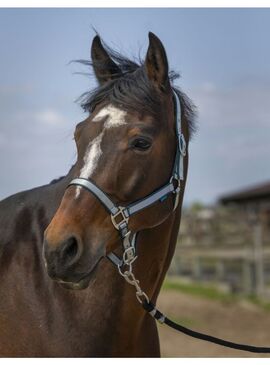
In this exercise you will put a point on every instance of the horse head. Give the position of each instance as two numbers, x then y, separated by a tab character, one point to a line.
127	147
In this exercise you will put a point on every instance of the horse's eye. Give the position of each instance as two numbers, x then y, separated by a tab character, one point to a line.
141	144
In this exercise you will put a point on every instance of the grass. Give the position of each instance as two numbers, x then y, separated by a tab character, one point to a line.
211	292
253	299
205	291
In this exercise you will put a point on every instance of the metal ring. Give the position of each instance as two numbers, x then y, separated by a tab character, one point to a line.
125	219
178	187
130	251
142	294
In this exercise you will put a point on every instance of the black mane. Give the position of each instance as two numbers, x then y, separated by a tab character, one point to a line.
131	90
56	180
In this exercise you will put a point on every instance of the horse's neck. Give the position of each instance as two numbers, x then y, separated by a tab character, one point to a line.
155	251
155	248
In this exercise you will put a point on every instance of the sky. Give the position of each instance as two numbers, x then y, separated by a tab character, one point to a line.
223	56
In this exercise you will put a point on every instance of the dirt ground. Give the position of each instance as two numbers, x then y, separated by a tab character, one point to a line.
241	322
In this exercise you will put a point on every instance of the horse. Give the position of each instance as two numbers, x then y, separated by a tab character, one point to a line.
60	295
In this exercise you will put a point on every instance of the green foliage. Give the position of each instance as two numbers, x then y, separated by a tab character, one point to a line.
196	207
261	303
209	292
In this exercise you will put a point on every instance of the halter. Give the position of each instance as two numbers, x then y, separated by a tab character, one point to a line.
120	214
120	217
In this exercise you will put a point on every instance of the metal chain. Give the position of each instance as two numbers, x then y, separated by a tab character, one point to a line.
128	275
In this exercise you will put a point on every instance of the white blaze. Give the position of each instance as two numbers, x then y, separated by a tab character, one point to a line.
115	118
91	157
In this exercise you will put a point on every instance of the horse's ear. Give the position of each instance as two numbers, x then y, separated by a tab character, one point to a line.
104	67
156	63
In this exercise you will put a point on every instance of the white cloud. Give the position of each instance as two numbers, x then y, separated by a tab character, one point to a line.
49	117
44	117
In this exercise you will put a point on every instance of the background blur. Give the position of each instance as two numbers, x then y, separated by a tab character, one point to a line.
219	280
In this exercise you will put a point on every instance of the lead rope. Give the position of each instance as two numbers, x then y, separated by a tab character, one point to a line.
150	308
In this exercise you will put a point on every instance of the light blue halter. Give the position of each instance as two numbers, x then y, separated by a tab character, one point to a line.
120	215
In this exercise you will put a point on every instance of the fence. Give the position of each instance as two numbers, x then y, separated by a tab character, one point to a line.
223	246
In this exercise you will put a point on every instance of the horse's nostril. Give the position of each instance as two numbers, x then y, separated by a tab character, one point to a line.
70	249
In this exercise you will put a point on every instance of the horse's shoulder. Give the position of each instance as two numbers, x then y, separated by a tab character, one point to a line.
19	214
13	205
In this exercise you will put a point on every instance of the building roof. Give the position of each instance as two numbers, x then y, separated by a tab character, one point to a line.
256	193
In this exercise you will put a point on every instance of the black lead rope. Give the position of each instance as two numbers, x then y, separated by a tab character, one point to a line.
151	309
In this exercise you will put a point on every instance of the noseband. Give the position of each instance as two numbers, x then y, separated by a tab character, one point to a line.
120	214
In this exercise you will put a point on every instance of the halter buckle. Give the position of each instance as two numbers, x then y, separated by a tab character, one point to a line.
176	190
129	256
120	215
182	145
178	183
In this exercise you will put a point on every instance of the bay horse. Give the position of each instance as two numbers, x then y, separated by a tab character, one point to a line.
60	295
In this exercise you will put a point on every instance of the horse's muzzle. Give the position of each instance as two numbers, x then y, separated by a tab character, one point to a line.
65	263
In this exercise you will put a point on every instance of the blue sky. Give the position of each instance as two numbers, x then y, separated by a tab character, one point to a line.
223	56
